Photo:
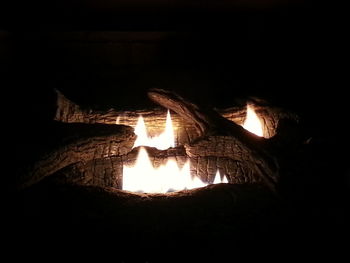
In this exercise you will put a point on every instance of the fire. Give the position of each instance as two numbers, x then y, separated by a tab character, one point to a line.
163	141
252	122
143	177
220	180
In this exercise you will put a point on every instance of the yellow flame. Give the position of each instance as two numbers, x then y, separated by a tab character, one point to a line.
117	121
143	177
162	141
252	122
219	180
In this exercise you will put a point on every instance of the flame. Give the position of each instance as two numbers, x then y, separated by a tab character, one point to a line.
220	180
163	141
252	122
117	121
143	177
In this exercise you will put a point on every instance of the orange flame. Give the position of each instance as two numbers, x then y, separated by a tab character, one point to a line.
252	122
219	180
143	177
163	141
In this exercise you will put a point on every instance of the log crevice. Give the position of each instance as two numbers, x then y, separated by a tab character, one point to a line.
75	143
213	143
185	131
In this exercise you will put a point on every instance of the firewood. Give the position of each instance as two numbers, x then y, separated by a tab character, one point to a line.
212	143
185	131
77	142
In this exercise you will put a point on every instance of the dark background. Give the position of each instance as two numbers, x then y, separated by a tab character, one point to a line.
104	54
109	53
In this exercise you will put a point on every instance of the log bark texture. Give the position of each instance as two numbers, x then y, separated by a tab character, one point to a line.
78	142
221	145
75	187
250	148
185	131
206	138
107	172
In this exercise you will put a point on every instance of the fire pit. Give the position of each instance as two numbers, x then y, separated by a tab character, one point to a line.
194	148
180	173
139	181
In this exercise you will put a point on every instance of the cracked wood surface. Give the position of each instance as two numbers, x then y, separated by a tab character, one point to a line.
78	142
211	142
108	171
252	148
185	131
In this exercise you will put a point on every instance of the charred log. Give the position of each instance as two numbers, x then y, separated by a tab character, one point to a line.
68	111
77	142
107	172
249	147
213	143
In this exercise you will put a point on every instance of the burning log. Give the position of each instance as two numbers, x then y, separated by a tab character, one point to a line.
108	171
185	131
240	142
214	144
80	181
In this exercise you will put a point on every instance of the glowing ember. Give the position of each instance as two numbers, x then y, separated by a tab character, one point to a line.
143	177
163	141
252	122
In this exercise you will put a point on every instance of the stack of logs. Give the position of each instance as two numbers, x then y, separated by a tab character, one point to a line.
79	180
97	148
